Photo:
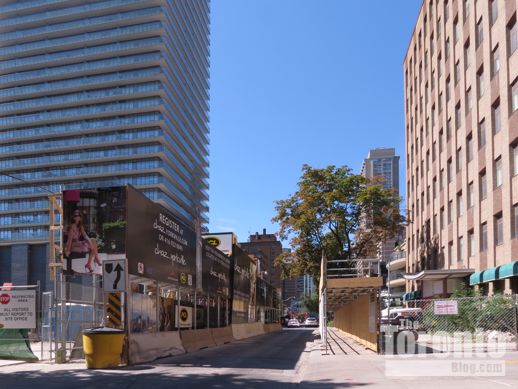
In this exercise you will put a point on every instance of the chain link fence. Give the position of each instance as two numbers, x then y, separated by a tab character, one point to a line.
468	323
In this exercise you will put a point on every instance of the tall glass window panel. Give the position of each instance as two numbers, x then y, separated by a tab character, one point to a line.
482	133
515	160
499	230
494	11
469	101
515	220
513	37
471	244
483	186
480	33
514	95
480	83
497	118
495	61
483	237
471	195
467	8
498	173
459	160
469	148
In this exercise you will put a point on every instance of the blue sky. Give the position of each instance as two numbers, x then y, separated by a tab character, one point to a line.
294	82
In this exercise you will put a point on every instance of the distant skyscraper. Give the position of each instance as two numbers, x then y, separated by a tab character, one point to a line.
384	163
94	94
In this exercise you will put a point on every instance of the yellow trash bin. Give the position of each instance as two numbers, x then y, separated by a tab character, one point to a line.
103	347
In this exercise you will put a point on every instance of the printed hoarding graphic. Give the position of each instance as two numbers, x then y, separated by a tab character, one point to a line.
241	272
18	309
159	246
94	228
216	270
223	241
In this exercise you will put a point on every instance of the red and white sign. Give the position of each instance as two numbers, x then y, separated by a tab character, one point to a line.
18	309
445	307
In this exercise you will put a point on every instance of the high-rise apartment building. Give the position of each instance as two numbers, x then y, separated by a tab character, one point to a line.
93	94
383	163
461	117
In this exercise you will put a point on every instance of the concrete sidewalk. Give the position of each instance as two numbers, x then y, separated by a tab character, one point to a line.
349	365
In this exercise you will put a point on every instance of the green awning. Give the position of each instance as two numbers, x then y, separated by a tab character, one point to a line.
475	278
508	270
490	274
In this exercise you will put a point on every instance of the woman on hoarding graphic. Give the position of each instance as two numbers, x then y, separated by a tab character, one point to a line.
79	243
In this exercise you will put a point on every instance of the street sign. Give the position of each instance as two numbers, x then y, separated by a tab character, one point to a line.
114	275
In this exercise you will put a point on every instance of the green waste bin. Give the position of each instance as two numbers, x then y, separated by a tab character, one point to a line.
103	347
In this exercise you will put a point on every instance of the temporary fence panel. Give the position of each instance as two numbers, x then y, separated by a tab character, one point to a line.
20	322
468	323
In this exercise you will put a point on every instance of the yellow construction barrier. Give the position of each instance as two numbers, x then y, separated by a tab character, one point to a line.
103	347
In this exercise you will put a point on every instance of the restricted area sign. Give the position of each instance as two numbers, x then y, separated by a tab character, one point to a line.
114	275
445	307
18	309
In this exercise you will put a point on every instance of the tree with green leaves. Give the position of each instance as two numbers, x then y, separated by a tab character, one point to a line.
336	213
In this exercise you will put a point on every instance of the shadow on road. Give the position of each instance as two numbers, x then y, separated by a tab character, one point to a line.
117	379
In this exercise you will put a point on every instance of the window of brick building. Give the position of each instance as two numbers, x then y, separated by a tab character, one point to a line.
483	186
499	229
498	173
483	237
479	33
512	32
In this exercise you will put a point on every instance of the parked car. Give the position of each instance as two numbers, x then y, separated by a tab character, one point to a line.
293	323
409	316
311	322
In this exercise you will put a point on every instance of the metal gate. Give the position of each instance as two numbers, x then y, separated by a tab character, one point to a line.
76	304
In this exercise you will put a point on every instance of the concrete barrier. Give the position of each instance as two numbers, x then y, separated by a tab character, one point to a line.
272	327
194	340
222	335
148	347
247	330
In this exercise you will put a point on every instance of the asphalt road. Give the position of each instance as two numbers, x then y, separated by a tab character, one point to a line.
269	361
